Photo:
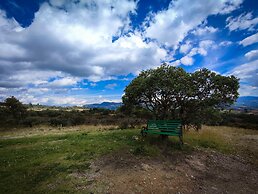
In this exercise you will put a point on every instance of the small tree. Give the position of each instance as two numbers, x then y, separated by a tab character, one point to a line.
172	93
15	108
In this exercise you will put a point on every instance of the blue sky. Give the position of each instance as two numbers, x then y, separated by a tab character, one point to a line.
75	52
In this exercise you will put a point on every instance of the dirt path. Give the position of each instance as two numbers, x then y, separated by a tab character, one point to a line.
199	172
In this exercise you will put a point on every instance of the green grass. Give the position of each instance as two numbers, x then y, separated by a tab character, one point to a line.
35	163
44	163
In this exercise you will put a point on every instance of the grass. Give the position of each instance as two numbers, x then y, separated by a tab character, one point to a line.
33	163
37	163
210	138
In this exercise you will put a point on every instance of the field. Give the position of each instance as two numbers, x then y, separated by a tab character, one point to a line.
104	159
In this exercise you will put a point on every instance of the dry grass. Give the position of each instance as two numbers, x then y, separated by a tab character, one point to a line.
230	140
49	130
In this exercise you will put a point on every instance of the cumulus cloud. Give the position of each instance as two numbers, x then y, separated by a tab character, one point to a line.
187	60
170	26
76	39
201	49
55	100
244	21
184	48
249	40
62	82
204	30
70	41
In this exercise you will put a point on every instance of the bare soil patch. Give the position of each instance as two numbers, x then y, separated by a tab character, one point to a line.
201	171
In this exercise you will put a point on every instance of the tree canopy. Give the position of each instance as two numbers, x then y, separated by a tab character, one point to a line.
15	108
172	93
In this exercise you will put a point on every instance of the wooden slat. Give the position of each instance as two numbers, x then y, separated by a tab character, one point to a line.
164	127
163	133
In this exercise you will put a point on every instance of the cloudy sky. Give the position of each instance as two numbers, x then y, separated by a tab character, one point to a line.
74	52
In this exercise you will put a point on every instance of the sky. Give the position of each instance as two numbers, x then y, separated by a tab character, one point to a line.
76	52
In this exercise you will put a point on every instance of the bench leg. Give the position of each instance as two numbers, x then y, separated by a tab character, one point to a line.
144	134
181	140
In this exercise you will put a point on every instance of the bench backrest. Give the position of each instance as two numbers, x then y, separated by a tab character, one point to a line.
164	125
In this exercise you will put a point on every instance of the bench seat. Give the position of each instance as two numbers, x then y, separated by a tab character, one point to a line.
164	127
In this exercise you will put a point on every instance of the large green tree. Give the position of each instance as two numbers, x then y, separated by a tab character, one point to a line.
172	93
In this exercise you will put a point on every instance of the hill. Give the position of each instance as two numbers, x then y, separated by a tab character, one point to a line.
106	105
250	102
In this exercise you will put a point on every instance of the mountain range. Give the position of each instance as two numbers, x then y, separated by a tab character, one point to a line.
105	105
250	102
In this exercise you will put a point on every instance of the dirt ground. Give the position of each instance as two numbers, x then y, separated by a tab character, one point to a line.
201	171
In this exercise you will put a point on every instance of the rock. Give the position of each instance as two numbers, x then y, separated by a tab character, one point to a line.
97	170
169	176
146	167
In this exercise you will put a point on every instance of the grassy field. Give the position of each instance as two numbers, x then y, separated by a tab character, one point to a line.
42	160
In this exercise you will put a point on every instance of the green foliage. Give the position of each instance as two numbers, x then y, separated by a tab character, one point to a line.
172	93
243	120
13	111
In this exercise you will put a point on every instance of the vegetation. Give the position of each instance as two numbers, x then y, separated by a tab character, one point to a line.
172	93
12	110
18	115
14	114
242	120
49	163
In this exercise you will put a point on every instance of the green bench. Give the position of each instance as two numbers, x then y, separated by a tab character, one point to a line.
164	127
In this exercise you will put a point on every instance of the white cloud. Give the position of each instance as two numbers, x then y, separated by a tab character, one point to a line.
225	43
175	63
93	84
111	86
172	25
199	31
252	55
187	60
242	22
54	100
76	42
247	73
206	44
249	40
75	39
66	81
69	41
185	47
246	90
202	49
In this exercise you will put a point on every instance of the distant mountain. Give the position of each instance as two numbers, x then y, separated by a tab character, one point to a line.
250	102
106	105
